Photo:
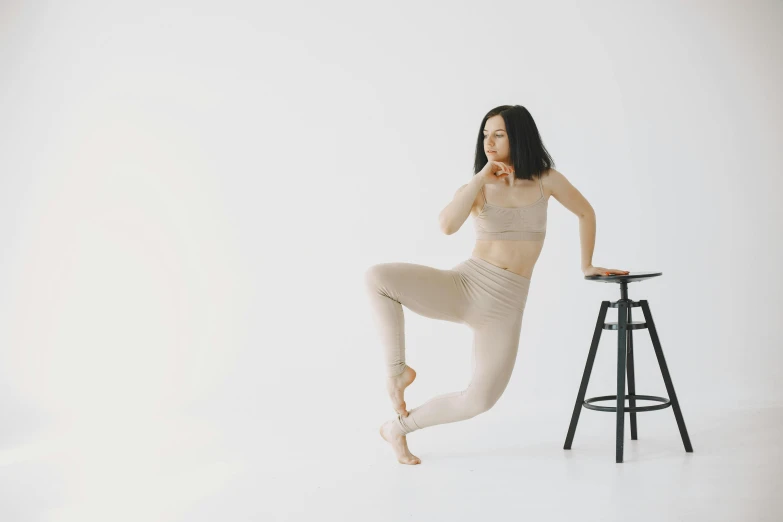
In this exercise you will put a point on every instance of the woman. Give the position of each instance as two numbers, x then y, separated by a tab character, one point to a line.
513	179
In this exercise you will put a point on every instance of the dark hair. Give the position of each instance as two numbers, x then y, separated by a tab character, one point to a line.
527	153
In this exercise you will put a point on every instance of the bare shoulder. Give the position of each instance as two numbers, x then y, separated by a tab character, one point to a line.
555	183
568	195
551	180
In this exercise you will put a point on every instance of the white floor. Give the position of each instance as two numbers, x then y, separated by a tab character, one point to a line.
487	468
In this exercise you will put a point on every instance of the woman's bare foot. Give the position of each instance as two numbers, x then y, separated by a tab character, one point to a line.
396	387
391	433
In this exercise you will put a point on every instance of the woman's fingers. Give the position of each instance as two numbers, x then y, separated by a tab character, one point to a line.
608	271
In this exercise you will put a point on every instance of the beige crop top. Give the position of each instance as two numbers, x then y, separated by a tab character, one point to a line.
525	223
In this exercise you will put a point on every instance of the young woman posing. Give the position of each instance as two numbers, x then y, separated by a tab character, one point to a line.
508	198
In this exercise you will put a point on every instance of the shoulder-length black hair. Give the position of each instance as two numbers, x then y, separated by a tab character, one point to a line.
527	153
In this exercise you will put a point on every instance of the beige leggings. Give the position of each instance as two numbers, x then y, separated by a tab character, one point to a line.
487	298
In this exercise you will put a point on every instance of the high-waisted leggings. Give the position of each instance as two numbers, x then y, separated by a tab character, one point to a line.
487	298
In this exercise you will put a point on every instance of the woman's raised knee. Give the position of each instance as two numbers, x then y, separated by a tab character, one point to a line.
373	274
378	274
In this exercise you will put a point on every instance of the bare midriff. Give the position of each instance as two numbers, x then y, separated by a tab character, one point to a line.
515	256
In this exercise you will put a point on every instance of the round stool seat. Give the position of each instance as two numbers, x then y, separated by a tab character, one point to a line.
631	277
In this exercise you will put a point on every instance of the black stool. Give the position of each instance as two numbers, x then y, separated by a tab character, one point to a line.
625	326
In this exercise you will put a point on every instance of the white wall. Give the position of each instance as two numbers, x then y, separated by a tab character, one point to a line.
191	192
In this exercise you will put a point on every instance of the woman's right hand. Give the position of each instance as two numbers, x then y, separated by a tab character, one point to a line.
497	172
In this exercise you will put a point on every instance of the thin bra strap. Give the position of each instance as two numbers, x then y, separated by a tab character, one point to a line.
484	194
540	184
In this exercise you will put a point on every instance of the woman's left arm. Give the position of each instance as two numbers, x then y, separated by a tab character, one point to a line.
587	237
568	196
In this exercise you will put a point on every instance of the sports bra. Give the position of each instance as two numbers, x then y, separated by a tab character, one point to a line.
525	223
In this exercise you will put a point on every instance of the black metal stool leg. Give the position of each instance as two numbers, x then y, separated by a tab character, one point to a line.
631	381
622	320
599	326
666	377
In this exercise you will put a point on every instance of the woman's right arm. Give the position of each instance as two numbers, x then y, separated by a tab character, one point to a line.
455	213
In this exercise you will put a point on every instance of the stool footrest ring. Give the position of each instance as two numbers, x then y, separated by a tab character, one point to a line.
588	403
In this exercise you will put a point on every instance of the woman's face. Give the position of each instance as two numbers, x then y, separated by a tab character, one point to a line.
496	140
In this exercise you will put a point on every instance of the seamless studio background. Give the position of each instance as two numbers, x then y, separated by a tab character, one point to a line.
190	193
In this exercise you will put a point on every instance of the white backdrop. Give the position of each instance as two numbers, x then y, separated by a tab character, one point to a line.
190	193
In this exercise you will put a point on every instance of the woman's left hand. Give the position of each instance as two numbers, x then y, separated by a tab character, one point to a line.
599	270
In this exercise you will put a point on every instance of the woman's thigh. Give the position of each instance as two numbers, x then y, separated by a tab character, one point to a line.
430	292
